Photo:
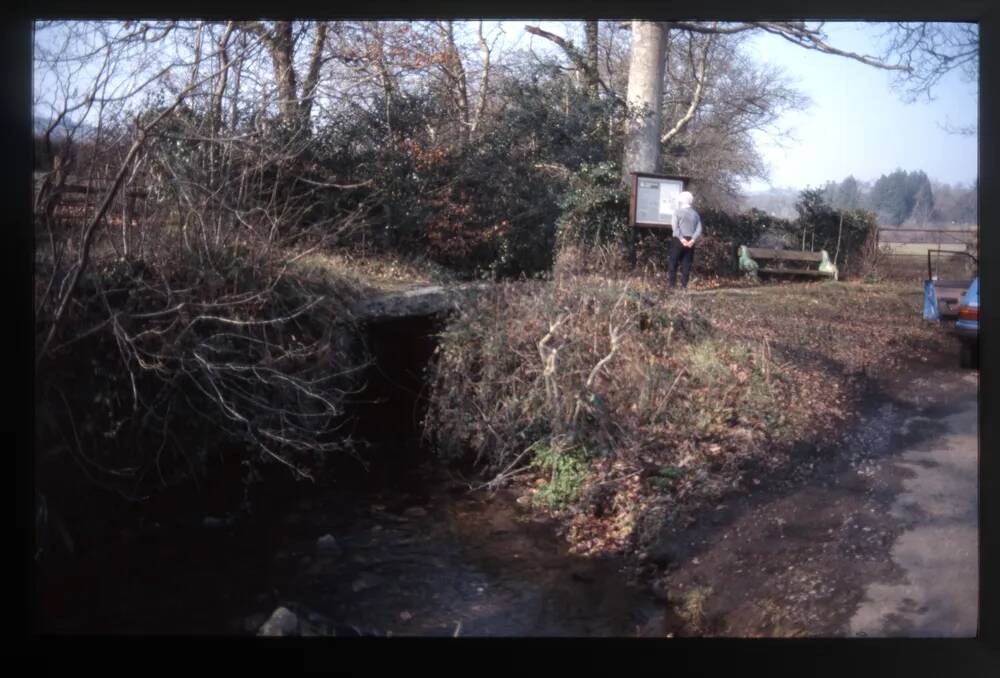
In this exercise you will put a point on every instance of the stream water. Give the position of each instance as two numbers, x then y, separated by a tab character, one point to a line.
414	554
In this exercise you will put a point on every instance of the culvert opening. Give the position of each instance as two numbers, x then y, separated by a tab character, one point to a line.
387	415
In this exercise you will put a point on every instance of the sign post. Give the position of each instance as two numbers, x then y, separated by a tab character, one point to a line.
652	201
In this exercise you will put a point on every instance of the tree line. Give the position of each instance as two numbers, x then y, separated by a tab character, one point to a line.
910	198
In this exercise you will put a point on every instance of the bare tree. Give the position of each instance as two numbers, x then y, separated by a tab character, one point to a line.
927	52
211	324
920	54
585	61
294	102
736	98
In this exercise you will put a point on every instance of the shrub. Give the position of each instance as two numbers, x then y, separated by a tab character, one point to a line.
587	363
485	206
165	362
594	208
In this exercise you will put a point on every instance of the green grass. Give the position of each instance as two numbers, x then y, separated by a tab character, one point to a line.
568	471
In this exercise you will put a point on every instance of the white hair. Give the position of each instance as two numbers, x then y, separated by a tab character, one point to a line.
685	199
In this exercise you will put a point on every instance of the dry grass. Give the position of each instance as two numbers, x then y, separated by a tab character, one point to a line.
370	273
692	608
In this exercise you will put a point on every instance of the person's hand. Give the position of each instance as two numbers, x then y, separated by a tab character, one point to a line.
687	242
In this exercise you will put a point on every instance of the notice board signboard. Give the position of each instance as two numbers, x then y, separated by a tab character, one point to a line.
653	199
652	203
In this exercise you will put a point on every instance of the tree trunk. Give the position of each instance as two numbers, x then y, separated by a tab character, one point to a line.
197	54
313	75
645	93
455	72
281	48
234	111
591	73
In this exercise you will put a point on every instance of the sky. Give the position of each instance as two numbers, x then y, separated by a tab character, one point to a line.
856	125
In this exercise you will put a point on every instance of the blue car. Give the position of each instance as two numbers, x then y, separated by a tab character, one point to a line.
967	326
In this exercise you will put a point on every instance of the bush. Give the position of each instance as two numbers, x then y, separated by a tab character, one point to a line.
483	206
162	363
587	363
594	208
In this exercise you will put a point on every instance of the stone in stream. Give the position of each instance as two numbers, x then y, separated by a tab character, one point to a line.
214	523
254	622
660	590
315	624
365	581
283	622
328	545
317	618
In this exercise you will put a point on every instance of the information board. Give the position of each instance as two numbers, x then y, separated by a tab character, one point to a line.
655	199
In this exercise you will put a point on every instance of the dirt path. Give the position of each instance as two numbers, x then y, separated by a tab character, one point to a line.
880	540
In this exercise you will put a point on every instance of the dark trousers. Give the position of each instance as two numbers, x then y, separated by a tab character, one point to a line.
684	255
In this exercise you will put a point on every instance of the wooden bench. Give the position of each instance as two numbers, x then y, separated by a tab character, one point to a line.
756	260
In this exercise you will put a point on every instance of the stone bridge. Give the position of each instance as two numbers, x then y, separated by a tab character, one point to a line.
425	300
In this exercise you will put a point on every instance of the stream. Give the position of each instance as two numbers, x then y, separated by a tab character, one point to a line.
415	554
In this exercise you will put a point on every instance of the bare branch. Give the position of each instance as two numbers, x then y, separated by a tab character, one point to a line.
485	81
696	97
579	60
799	34
88	235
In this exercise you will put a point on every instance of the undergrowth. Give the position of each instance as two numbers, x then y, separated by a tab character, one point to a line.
678	399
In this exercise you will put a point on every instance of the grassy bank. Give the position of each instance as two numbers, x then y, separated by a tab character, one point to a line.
623	410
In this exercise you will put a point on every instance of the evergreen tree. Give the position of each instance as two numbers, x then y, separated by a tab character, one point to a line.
848	195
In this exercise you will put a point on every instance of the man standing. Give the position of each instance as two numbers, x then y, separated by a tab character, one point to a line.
687	229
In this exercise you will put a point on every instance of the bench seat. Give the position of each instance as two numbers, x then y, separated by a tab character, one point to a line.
795	271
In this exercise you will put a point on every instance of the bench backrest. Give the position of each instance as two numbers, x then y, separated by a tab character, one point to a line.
785	255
